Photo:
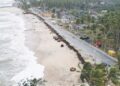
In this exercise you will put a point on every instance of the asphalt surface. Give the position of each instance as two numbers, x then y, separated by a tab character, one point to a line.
87	51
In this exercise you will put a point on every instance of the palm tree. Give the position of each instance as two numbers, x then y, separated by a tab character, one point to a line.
86	72
118	56
25	4
114	75
94	75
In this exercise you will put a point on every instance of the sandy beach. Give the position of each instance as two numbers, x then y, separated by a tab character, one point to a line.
56	59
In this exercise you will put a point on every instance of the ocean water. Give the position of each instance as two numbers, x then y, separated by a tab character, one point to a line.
16	60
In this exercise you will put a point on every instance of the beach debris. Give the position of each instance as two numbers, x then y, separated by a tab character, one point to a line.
25	12
62	45
57	38
72	69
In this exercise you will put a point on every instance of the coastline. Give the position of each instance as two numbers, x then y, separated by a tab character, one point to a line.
16	59
56	59
38	47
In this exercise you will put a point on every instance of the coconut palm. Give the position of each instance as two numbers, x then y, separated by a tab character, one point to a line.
114	75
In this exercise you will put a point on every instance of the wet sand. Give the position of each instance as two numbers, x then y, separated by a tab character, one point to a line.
56	59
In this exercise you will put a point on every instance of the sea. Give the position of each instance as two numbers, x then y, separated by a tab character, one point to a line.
17	62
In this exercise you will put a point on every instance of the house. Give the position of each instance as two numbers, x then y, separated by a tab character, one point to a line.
48	14
104	11
102	2
65	20
79	26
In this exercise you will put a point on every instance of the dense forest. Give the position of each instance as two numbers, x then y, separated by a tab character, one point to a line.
78	4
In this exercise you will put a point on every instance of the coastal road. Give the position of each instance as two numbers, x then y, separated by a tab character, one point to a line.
88	52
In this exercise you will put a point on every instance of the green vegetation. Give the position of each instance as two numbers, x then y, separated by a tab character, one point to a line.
95	75
107	30
111	28
100	75
25	5
33	82
114	75
78	4
118	60
103	27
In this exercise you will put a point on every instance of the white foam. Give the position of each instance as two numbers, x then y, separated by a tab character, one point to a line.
21	58
4	3
33	71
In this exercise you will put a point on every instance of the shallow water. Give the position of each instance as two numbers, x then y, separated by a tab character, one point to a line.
14	55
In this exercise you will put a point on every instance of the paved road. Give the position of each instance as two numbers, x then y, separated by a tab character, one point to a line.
87	51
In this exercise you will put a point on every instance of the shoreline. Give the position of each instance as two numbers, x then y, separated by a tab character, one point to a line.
18	59
81	59
56	59
87	52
